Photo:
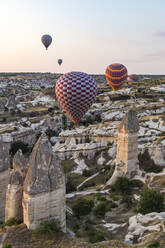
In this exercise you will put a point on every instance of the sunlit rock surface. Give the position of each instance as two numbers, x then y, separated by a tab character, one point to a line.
44	187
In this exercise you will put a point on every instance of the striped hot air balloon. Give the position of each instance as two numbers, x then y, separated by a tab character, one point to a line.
76	92
116	75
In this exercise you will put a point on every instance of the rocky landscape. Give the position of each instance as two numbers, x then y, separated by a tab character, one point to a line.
104	165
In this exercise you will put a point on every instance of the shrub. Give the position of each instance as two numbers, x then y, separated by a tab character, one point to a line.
67	169
101	209
98	118
83	207
38	135
108	171
97	237
47	229
93	234
87	185
112	204
154	244
89	120
137	183
100	197
32	114
10	222
76	227
87	173
24	124
4	119
51	133
127	200
114	197
15	146
70	187
7	245
122	185
64	121
150	201
162	133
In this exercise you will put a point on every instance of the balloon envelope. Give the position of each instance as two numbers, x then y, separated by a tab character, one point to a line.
76	92
46	40
116	75
133	78
59	61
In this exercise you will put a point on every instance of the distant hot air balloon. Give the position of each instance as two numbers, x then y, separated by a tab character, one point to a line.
59	61
76	92
46	40
116	75
133	78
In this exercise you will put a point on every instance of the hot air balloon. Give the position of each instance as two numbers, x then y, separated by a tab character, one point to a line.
76	92
116	75
133	78
46	40
59	61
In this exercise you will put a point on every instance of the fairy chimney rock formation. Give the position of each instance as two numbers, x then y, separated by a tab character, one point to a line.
15	188
4	177
44	187
127	147
11	103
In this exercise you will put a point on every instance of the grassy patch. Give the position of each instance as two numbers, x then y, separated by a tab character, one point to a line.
7	245
154	244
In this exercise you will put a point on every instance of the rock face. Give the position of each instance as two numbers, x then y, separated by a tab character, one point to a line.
11	103
127	147
15	188
2	107
44	187
4	177
141	225
158	156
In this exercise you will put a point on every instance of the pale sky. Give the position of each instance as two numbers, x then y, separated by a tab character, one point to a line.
87	34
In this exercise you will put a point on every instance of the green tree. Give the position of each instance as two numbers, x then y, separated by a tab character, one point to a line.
102	208
122	185
150	201
82	207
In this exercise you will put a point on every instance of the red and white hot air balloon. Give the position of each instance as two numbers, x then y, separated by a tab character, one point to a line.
76	92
